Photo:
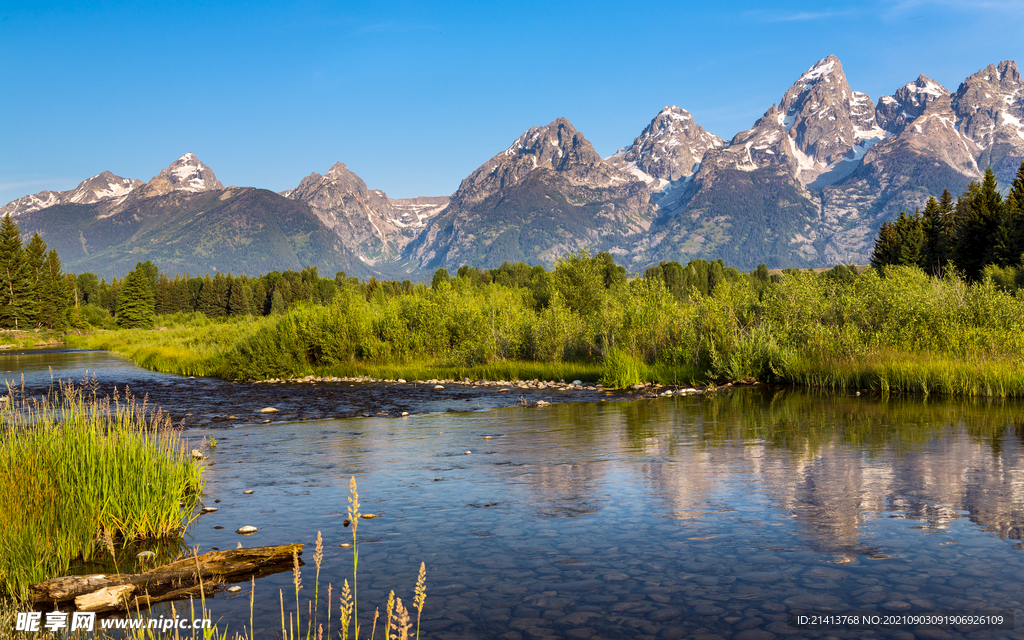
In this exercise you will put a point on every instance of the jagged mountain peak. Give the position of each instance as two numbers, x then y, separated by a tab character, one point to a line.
1005	74
895	112
187	173
822	70
555	146
102	186
988	108
548	194
669	148
825	116
366	220
339	170
326	191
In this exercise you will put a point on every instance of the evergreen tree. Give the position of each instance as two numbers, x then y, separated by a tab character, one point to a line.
911	239
17	295
53	293
108	294
135	301
978	213
209	303
277	305
247	307
886	249
259	298
1015	218
165	296
35	254
236	303
935	251
151	271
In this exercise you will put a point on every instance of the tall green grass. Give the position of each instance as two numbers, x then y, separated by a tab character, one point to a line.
80	473
896	331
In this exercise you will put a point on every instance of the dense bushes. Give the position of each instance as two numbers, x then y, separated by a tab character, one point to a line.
893	328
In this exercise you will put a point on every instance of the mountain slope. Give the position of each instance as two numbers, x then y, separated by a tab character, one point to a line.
103	186
548	194
185	221
825	167
366	221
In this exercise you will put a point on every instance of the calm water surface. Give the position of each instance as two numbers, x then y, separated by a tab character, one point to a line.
695	517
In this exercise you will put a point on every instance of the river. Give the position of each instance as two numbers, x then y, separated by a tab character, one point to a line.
713	516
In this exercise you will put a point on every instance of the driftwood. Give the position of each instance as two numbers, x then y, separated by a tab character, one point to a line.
182	578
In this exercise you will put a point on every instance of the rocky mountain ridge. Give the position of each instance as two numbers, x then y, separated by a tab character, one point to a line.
102	186
546	195
807	185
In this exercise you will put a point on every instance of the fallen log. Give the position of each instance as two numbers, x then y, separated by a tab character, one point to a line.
102	592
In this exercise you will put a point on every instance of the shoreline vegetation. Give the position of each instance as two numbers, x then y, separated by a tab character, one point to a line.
888	330
940	311
81	475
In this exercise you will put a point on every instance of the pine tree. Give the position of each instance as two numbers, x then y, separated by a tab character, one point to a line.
247	304
911	239
151	271
53	293
213	297
886	246
17	295
135	301
978	212
1015	205
236	304
935	252
165	298
35	254
277	304
259	298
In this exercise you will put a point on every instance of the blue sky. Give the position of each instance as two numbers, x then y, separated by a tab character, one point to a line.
413	96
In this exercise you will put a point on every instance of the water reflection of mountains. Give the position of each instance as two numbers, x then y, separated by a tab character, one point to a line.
833	463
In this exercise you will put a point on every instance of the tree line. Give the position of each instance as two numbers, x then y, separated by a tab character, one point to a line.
33	288
982	232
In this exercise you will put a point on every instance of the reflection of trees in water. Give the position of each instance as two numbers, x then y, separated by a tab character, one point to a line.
833	462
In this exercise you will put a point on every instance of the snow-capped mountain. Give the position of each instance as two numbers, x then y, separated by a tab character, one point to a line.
366	220
808	184
825	166
894	112
187	174
102	186
668	149
549	193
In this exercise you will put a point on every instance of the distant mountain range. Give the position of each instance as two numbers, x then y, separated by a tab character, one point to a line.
808	185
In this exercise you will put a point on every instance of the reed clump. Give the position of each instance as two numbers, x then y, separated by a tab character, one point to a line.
77	473
313	621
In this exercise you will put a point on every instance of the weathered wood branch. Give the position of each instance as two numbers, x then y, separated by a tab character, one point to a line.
99	592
